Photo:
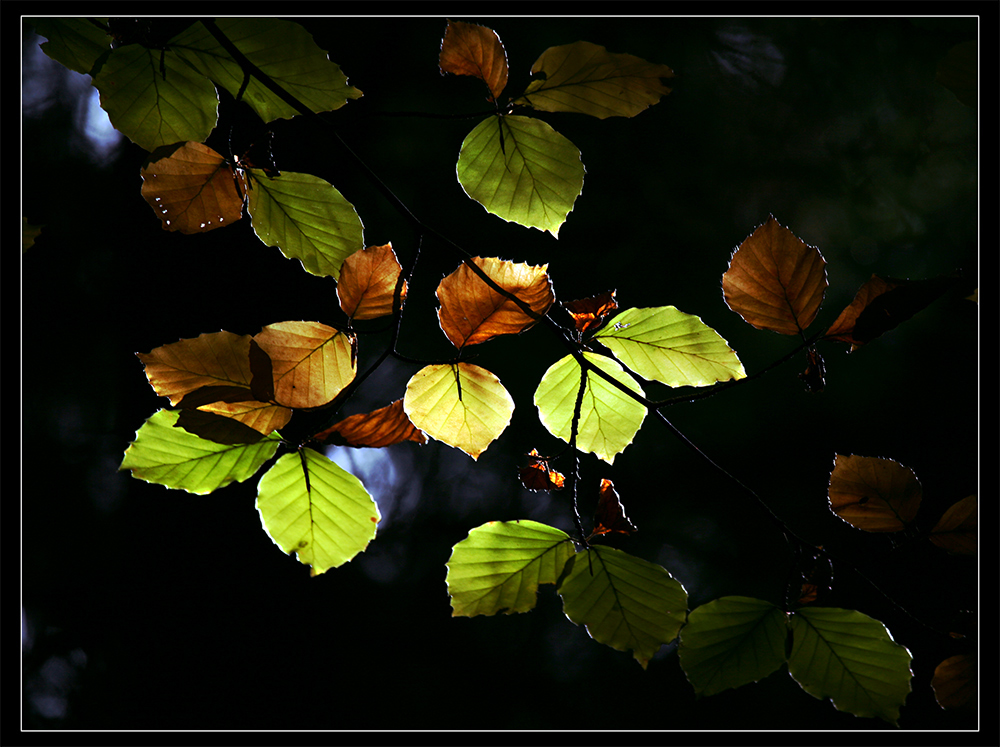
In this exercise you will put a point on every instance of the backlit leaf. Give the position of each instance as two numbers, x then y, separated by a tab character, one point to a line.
217	428
211	359
533	180
367	285
311	362
154	98
471	312
263	417
283	50
775	280
624	602
850	658
956	529
191	188
175	458
383	427
874	494
609	418
731	642
75	42
666	345
589	313
586	78
463	405
955	682
471	49
313	507
537	475
306	218
500	565
610	515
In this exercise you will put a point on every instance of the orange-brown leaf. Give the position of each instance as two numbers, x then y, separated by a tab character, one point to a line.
610	515
590	313
238	404
367	284
212	359
471	49
775	280
471	312
311	363
956	530
383	427
874	494
191	188
537	475
954	682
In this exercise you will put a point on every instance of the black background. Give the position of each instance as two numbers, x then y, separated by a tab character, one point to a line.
145	608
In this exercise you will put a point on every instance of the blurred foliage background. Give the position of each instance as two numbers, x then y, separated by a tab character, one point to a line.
144	608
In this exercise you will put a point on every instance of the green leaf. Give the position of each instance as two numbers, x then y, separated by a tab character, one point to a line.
313	507
74	42
850	658
154	98
499	566
624	602
666	345
532	177
586	78
732	641
178	459
609	418
306	218
283	50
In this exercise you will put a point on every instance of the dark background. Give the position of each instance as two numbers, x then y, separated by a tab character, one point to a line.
145	608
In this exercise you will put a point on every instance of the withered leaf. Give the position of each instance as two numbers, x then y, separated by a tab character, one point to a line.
956	530
367	284
589	313
383	427
610	515
955	682
471	49
217	428
815	374
874	494
311	362
210	360
537	475
236	403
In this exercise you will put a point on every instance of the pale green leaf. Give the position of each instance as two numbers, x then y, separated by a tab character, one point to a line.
178	459
666	345
74	42
311	506
732	641
850	658
532	179
609	418
154	98
499	566
624	602
306	218
283	50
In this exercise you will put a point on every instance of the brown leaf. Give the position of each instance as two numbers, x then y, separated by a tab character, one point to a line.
471	312
610	516
236	403
217	428
590	313
211	359
956	530
191	188
954	682
367	284
537	475
775	280
874	494
311	363
383	427
470	49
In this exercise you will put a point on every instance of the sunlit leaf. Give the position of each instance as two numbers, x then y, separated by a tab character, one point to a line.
217	428
955	682
313	507
311	362
731	642
956	529
263	417
175	458
538	476
610	518
283	50
75	42
384	427
154	98
874	494
306	218
586	78
666	345
471	49
367	285
589	313
850	658
471	312
609	418
500	565
958	71
463	405
775	280
211	359
533	180
191	188
624	602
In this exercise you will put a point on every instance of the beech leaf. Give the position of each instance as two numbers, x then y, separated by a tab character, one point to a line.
368	281
471	49
383	427
211	359
74	42
775	280
311	362
538	476
874	494
610	515
586	78
955	682
471	312
589	313
956	529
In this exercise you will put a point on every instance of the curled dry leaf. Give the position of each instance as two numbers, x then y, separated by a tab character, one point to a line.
589	313
775	280
471	312
367	285
311	362
956	530
537	475
874	494
610	515
471	49
191	188
383	427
